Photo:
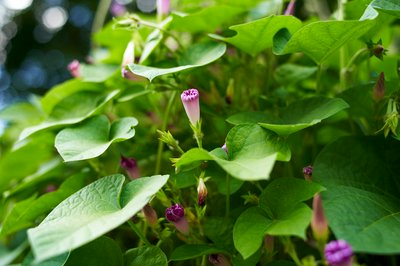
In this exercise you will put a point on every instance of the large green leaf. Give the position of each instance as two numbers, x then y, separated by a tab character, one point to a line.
91	212
302	114
145	256
249	231
102	251
291	74
206	20
362	200
196	56
251	153
24	213
281	212
255	36
187	252
18	164
63	90
321	39
8	255
391	7
93	137
71	110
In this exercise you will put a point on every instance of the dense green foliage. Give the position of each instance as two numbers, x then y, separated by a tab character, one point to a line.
280	92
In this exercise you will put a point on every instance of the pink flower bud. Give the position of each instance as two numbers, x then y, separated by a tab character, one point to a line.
163	7
73	68
190	100
219	260
176	215
131	167
290	8
224	148
379	88
150	215
51	188
201	193
129	54
319	224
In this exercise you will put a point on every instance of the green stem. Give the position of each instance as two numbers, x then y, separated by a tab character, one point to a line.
139	233
228	196
290	249
163	128
101	14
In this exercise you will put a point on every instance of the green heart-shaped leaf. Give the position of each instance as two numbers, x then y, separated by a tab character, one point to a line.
91	212
93	137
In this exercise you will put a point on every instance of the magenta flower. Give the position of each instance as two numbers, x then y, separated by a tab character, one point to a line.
307	171
176	215
338	253
190	100
131	167
319	224
74	67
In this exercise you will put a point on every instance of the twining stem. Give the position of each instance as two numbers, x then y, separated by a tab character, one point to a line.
100	15
163	128
139	233
228	196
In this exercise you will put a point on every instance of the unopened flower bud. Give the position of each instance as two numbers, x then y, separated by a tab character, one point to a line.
379	88
307	172
163	7
224	148
201	193
129	54
319	224
150	215
219	260
377	49
190	100
269	244
230	91
74	67
338	253
290	8
131	167
176	215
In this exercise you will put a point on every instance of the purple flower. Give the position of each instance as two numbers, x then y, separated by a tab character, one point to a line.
338	253
176	215
190	100
218	259
131	167
74	67
319	224
307	171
